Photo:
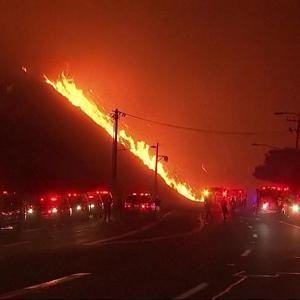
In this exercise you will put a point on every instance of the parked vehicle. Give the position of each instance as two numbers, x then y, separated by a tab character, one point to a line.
32	209
140	202
79	205
95	204
274	200
55	208
11	211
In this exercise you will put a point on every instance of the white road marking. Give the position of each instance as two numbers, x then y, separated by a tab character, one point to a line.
288	273
7	228
44	285
228	289
250	226
246	252
32	230
264	275
193	291
126	234
16	244
238	273
276	275
254	235
288	224
297	257
230	265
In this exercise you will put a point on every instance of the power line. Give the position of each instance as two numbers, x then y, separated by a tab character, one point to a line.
202	130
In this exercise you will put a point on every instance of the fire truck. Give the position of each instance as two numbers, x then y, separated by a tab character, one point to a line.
272	199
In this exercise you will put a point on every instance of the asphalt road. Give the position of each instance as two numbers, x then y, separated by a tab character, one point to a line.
174	256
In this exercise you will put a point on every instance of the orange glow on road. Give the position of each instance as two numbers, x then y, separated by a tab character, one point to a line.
67	87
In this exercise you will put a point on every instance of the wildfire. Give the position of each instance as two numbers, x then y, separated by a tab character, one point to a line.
67	87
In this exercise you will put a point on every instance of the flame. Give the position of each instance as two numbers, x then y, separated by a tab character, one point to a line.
67	87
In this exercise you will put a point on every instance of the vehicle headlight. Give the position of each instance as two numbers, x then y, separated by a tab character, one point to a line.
78	207
92	205
30	211
265	205
54	210
295	208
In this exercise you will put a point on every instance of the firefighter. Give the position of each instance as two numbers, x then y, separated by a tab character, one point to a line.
107	203
233	206
207	207
224	208
280	206
157	202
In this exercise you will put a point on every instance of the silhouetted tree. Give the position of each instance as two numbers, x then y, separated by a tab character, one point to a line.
281	166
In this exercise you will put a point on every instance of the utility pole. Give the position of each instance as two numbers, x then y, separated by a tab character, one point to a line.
295	118
296	130
157	159
116	114
298	133
155	171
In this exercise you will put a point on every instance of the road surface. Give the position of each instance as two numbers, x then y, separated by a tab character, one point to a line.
174	257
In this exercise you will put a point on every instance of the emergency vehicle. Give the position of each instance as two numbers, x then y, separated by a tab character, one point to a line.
11	211
142	202
274	199
55	208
